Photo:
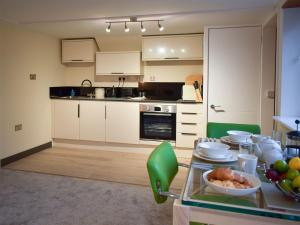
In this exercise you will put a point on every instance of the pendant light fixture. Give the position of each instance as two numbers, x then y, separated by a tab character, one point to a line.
134	20
160	27
126	29
108	28
143	29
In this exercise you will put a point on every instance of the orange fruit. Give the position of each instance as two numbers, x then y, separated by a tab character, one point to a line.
294	163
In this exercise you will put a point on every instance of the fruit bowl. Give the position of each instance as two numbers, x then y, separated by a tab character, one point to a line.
286	177
290	193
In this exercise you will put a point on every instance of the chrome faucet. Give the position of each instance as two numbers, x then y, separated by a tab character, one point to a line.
86	80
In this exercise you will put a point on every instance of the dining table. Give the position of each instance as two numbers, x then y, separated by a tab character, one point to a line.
199	203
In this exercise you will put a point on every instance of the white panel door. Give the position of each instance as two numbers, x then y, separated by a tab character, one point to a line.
122	122
234	73
92	120
66	119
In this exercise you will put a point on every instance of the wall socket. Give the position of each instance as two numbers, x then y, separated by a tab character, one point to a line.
32	76
18	127
152	78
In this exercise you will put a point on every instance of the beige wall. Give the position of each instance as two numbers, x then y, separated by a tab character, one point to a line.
26	101
172	71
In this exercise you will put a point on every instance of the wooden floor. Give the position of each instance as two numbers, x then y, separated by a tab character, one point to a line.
113	166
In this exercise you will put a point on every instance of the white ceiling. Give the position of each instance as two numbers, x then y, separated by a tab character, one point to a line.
85	18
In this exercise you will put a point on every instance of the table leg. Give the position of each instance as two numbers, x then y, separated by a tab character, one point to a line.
181	213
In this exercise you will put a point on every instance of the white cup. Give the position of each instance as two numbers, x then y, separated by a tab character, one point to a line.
248	163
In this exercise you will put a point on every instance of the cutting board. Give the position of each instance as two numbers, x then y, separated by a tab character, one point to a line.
190	79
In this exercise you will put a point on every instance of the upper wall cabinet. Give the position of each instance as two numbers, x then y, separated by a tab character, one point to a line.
78	50
173	47
118	63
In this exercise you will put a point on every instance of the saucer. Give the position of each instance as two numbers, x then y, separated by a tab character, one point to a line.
231	158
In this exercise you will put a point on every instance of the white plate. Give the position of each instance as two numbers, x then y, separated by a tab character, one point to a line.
214	149
235	191
203	153
231	158
227	139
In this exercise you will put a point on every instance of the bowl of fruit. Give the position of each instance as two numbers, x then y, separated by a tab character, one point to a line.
286	177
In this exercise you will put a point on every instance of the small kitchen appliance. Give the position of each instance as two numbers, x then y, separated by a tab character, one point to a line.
293	142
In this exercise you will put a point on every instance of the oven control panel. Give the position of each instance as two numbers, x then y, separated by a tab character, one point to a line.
162	108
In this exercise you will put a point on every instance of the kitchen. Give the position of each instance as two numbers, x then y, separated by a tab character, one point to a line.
29	104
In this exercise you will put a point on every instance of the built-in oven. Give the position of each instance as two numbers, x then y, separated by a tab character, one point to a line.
158	121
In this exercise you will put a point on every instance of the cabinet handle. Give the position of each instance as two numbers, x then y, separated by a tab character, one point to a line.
78	110
171	57
117	72
189	123
188	113
77	60
189	134
105	112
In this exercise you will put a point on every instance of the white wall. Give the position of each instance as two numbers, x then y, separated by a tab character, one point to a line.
161	71
290	63
22	100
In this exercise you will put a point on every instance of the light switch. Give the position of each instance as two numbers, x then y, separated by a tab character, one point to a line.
270	94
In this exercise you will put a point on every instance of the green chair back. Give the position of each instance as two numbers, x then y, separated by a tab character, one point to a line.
218	130
162	167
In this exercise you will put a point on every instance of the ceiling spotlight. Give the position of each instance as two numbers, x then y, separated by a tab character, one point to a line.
143	29
108	28
160	27
126	29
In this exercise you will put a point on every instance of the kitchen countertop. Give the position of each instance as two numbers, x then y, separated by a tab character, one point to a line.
288	122
125	99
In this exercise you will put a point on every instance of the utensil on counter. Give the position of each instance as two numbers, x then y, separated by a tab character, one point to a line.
197	90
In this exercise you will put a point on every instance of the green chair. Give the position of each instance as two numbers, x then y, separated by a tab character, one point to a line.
162	166
218	130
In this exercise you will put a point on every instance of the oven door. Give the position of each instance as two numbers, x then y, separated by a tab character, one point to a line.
158	126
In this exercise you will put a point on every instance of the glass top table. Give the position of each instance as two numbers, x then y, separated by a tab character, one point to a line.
266	202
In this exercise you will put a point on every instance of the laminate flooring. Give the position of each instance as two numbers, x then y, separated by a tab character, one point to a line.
121	167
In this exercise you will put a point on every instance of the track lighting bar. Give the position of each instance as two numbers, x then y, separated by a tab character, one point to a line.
134	20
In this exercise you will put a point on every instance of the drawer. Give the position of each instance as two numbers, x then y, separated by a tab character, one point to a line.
189	118
190	108
188	127
185	140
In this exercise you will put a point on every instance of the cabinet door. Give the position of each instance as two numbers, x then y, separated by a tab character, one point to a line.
78	50
118	63
122	122
65	119
92	120
234	67
183	47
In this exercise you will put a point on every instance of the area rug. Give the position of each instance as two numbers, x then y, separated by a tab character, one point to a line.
28	198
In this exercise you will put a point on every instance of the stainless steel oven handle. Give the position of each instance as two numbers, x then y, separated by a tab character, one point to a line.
158	114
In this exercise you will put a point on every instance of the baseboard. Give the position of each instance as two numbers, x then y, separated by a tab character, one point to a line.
25	153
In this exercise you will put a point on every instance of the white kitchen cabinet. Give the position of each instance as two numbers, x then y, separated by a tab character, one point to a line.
190	124
173	47
78	50
118	63
92	120
65	119
122	122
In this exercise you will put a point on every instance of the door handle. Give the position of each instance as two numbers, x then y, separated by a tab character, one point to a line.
213	107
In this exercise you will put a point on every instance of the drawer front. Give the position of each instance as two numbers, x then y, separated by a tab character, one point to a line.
185	140
190	108
188	128
189	118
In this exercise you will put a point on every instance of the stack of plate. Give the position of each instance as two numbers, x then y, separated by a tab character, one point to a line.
236	137
215	152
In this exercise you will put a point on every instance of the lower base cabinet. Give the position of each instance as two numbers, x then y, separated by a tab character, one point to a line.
122	122
96	121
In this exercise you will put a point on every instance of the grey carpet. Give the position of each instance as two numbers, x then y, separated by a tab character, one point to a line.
28	198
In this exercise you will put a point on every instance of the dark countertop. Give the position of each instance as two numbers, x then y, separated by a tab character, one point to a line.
124	99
